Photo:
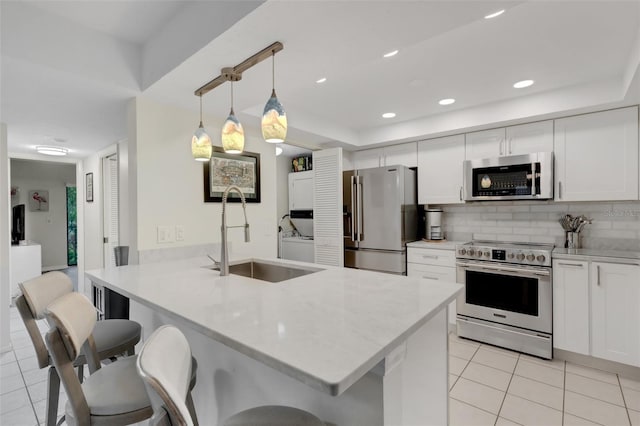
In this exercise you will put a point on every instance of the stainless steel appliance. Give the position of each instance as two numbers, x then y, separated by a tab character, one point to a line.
434	224
507	297
514	177
380	217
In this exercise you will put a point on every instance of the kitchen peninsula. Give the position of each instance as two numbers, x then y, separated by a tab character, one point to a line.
352	347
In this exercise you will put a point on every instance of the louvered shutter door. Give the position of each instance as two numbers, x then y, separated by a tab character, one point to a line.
327	207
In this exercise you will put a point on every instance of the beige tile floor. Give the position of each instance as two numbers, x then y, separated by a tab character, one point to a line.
488	386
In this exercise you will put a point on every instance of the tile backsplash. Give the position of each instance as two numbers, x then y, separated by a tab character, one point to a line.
616	225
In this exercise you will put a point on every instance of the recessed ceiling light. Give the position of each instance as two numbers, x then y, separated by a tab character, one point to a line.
390	54
52	150
389	115
322	80
447	101
523	84
278	150
493	15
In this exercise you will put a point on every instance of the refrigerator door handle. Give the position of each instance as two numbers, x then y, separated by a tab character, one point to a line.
353	208
359	208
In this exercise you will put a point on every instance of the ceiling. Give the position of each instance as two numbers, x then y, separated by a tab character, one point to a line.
75	82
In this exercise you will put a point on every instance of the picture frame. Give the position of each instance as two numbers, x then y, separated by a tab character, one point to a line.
89	187
222	170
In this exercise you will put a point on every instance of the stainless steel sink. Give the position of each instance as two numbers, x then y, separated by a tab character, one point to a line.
269	272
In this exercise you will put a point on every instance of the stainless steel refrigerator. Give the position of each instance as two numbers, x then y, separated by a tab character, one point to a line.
380	217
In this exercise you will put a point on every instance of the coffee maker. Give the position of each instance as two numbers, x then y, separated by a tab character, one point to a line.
433	230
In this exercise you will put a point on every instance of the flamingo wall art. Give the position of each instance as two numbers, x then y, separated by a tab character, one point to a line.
39	201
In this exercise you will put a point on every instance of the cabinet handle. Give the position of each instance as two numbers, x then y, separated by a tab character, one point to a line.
560	190
598	275
577	265
430	278
429	256
501	149
510	145
460	193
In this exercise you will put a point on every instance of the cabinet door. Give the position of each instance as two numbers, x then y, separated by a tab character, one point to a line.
596	156
367	159
440	175
615	312
301	190
404	154
435	273
528	138
485	144
571	306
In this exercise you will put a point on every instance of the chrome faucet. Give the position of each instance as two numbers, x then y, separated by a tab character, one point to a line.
224	250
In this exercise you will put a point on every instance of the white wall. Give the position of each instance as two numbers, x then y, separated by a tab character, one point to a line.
283	168
170	184
5	242
49	229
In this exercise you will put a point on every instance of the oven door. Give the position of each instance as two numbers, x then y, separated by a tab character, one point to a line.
519	296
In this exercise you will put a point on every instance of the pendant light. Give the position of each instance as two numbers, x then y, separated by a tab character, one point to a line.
232	132
201	142
274	119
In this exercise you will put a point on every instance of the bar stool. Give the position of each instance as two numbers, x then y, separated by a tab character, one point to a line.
163	364
113	394
112	337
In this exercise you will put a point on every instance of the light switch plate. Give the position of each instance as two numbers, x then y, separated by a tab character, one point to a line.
179	233
165	234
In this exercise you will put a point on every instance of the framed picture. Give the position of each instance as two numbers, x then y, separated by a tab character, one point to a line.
241	170
89	187
39	200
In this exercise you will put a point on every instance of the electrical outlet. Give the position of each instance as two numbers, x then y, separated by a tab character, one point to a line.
162	234
179	233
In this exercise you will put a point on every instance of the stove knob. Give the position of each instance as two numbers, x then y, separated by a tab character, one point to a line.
486	254
479	253
510	256
531	257
541	258
520	256
462	251
471	252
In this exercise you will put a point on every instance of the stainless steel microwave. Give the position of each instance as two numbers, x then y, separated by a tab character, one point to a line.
513	177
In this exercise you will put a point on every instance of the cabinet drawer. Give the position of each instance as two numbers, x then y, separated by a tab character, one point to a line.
431	272
436	257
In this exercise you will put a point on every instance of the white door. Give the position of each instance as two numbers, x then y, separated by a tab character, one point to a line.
485	144
571	306
596	156
615	312
528	138
327	215
110	203
440	173
404	155
301	190
367	159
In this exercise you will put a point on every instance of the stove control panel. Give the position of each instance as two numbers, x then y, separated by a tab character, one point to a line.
507	253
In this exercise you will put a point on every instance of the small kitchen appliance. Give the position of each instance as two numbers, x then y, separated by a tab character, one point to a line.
507	300
434	224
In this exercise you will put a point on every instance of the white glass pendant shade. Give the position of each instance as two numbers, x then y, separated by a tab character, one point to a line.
232	135
201	145
274	120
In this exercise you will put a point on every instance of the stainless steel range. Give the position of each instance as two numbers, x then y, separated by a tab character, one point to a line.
507	298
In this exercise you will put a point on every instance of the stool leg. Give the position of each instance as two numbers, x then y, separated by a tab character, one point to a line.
53	394
81	373
192	409
131	351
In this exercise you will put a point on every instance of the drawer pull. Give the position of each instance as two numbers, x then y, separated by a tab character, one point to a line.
430	277
577	265
429	256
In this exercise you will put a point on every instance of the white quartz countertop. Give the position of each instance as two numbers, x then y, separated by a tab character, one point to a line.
592	254
442	245
326	329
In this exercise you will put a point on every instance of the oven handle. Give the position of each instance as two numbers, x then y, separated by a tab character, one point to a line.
524	272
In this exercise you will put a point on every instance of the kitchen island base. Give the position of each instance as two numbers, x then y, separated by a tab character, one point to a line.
409	387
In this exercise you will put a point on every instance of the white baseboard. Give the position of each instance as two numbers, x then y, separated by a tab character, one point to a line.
54	268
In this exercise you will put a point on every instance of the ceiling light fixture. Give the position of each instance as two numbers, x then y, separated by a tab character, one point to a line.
322	80
52	150
493	15
201	141
232	132
278	150
388	115
274	119
447	101
390	54
522	84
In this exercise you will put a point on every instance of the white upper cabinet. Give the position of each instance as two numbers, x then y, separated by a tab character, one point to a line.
440	176
528	138
596	156
615	312
404	154
301	190
512	140
571	306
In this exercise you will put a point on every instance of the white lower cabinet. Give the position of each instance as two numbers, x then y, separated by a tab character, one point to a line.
571	306
615	312
596	309
433	264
